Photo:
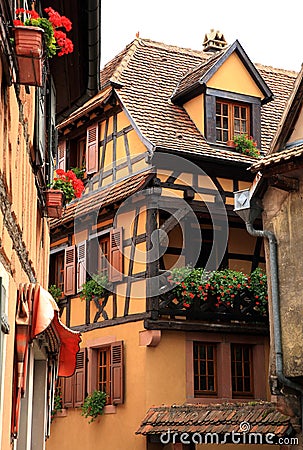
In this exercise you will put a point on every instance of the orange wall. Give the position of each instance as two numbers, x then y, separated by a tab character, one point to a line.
16	139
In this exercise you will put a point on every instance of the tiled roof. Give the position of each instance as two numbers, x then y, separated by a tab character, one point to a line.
194	75
149	72
98	99
95	200
262	417
278	158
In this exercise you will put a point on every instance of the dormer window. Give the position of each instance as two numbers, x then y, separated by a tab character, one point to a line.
231	119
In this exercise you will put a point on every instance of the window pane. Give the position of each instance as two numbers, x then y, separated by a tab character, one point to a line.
204	368
241	367
236	111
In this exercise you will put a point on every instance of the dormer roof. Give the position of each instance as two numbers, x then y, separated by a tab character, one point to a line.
194	82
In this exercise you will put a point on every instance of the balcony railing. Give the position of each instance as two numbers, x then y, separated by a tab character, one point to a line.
217	296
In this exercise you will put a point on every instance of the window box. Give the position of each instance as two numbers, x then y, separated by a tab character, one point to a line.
29	51
54	203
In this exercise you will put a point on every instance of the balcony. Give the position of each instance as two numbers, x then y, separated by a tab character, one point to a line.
221	296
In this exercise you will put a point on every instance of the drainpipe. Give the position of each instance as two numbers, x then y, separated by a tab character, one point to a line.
249	213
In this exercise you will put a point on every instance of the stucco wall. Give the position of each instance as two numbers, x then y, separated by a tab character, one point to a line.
283	215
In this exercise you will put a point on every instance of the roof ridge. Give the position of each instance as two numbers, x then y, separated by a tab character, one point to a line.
173	48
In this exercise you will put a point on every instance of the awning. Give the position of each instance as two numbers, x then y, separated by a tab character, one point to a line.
46	313
260	417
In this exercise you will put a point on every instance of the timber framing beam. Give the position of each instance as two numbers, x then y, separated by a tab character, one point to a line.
182	325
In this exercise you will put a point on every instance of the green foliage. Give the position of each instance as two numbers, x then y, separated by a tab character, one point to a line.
246	145
78	172
57	402
67	189
55	292
49	38
224	286
93	405
95	287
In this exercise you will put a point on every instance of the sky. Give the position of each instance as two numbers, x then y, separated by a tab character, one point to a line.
271	34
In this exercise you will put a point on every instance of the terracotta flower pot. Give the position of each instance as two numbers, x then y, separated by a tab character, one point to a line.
54	203
29	51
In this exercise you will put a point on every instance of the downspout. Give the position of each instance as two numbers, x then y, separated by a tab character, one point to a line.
273	260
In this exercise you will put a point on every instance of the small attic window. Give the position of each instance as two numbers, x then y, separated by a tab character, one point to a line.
231	119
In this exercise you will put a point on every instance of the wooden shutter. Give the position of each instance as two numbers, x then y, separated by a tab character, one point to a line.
80	378
117	381
69	270
61	163
67	394
92	370
92	149
81	265
115	255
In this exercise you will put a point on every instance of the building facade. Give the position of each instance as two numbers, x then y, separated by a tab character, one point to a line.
160	173
34	344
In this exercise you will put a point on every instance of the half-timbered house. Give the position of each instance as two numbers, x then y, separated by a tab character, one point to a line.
160	176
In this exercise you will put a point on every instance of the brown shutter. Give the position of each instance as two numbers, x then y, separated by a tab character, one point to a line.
92	370
69	270
67	392
92	149
80	378
116	260
117	382
62	156
81	265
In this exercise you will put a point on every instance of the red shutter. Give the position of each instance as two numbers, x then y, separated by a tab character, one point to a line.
67	394
61	164
69	270
116	260
79	379
81	265
92	149
117	382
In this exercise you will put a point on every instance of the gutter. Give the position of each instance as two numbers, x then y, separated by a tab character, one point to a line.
251	211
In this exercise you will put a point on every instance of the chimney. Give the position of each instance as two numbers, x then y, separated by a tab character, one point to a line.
214	41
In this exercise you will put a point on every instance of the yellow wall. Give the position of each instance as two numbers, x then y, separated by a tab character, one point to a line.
233	76
136	147
195	110
153	376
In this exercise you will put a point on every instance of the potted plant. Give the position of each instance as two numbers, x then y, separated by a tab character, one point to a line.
30	33
96	287
222	289
65	187
246	145
93	405
55	292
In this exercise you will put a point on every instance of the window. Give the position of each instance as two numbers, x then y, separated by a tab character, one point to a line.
225	366
77	153
103	258
56	274
241	368
205	373
231	119
99	367
104	372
